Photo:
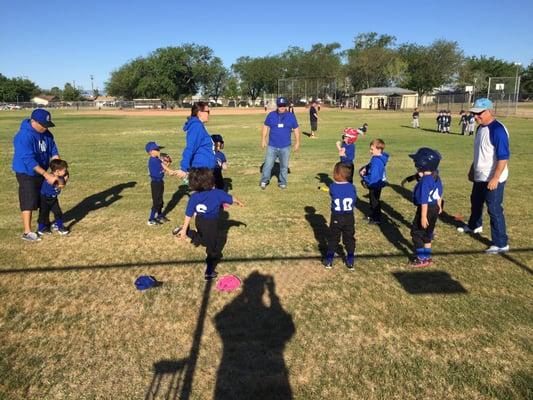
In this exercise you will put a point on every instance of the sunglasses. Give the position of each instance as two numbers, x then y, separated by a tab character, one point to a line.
206	111
479	113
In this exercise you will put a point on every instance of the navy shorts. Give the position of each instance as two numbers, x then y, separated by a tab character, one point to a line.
29	191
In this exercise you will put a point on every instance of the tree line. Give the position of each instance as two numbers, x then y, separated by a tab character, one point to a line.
178	72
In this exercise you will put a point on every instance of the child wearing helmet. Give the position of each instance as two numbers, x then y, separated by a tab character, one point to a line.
221	161
346	148
427	197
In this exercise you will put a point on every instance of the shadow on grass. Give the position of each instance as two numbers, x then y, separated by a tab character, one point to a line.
228	184
254	335
94	202
429	282
224	225
183	190
275	170
172	379
449	219
320	228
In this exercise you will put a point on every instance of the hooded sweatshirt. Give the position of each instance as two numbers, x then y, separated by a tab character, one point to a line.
376	175
32	149
199	150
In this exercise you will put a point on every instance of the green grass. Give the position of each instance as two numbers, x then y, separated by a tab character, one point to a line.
72	324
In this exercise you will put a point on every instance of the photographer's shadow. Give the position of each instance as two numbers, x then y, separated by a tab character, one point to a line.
254	335
94	202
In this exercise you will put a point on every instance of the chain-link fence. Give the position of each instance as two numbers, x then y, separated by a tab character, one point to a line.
301	91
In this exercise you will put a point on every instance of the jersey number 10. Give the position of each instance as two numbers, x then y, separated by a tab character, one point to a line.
347	204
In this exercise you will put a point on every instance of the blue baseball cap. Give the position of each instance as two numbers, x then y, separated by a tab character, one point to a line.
43	117
144	282
281	102
152	146
482	105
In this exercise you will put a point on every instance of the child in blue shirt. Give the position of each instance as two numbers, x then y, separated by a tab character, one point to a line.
156	170
49	199
374	178
205	203
342	223
427	196
346	148
221	161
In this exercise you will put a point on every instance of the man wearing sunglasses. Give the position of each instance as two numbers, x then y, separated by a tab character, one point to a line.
489	173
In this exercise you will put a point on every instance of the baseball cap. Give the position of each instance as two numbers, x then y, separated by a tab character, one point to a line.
43	117
482	105
281	101
152	146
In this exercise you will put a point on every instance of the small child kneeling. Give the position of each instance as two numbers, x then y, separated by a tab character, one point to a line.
205	203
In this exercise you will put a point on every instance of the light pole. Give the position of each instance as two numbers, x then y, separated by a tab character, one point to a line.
516	85
92	86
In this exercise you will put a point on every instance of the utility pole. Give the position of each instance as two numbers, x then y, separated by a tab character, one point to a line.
92	85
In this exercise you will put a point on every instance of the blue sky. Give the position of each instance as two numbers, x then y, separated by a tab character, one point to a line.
57	41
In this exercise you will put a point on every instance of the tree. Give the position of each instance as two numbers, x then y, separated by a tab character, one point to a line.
70	93
322	60
258	75
232	89
477	70
17	89
429	67
217	79
373	61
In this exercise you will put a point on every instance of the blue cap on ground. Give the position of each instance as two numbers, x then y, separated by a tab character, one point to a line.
144	282
152	146
482	105
43	117
281	102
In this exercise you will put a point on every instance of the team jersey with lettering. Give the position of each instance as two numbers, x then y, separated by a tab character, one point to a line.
343	197
207	203
428	190
281	126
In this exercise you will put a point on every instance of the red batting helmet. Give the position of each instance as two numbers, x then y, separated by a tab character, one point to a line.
351	134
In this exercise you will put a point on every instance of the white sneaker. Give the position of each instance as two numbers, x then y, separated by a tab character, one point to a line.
467	229
31	237
263	185
497	250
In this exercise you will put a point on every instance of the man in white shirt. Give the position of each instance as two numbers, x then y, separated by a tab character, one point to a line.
489	173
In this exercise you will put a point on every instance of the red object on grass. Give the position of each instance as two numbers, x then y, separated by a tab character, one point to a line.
228	283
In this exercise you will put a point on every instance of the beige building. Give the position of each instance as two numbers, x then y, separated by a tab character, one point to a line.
392	98
44	99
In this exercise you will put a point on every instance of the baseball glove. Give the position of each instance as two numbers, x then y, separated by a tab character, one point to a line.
165	158
363	184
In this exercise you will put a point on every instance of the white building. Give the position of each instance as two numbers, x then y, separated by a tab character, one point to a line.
390	97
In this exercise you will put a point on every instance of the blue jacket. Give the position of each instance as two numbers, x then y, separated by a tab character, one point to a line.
376	175
199	149
32	149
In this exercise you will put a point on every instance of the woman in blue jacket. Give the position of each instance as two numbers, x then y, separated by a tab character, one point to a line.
199	149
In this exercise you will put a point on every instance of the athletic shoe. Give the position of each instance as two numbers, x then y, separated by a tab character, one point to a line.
263	185
63	231
421	262
282	186
373	222
497	250
210	276
44	231
467	229
163	218
328	263
53	227
350	262
31	237
176	231
153	222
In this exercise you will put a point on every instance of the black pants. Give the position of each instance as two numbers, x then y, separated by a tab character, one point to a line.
49	204
421	235
219	180
342	225
375	204
158	188
207	235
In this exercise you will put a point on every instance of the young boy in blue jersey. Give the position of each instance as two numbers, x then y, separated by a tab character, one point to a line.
49	199
346	148
343	198
427	196
205	203
221	160
374	178
156	170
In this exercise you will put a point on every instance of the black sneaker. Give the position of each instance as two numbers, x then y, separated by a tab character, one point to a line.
44	231
63	231
163	218
153	222
328	263
210	276
350	260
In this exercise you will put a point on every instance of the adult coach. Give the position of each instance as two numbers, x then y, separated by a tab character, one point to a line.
199	151
34	148
278	127
313	119
489	173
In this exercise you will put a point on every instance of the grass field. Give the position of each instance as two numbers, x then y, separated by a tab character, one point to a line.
72	325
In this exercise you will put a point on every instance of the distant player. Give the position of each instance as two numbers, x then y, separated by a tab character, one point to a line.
463	121
221	164
313	119
416	115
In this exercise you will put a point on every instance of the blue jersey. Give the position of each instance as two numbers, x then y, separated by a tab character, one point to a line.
376	171
428	190
350	153
281	126
221	159
343	197
155	169
207	203
49	190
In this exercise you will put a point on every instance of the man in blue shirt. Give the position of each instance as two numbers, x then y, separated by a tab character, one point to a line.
278	126
489	173
34	148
